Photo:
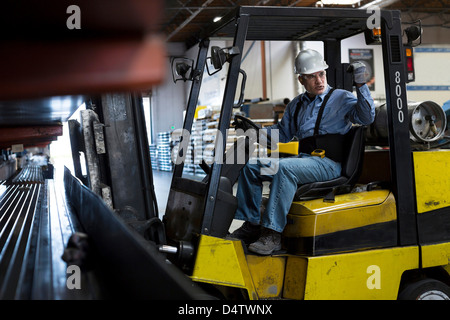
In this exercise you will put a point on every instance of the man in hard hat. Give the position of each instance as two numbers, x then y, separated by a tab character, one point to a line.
262	231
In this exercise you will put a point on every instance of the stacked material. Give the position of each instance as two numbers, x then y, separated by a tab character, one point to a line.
154	156
29	174
164	152
185	155
197	144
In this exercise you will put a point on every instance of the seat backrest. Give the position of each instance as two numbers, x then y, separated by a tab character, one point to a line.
352	166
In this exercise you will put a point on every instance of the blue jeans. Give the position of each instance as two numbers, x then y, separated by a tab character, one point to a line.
284	183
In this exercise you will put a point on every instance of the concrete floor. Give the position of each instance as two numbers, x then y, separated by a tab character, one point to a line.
161	181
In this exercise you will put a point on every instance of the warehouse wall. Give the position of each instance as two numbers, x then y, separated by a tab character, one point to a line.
168	100
432	34
431	60
432	74
281	80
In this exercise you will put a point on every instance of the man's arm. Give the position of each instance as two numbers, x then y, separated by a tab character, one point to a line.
286	125
364	111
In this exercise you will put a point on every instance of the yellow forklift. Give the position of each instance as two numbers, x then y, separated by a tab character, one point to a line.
381	231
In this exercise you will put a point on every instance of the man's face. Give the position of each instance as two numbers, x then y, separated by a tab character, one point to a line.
315	83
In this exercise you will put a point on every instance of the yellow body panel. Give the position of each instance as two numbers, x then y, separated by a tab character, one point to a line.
222	262
436	255
372	274
431	172
353	210
343	201
267	274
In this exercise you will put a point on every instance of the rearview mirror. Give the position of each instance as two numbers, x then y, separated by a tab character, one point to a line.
220	56
182	69
414	34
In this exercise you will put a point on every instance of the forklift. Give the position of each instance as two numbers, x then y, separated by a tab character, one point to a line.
381	231
387	239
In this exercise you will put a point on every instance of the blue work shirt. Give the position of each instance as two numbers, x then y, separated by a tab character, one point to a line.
341	110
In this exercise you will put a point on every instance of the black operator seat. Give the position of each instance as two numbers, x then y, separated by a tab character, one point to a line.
351	170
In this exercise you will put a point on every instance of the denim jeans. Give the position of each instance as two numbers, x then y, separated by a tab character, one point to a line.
284	183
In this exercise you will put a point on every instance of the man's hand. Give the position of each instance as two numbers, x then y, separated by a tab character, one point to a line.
359	71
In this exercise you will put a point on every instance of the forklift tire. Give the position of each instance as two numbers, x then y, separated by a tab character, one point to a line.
427	289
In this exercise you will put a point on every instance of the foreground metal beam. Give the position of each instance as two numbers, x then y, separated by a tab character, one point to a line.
116	47
132	267
29	135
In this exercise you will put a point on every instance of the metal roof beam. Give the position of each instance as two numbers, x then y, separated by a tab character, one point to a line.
189	19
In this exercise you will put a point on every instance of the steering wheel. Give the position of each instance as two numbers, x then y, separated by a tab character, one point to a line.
249	124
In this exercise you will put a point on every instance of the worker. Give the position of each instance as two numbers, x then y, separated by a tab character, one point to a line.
262	231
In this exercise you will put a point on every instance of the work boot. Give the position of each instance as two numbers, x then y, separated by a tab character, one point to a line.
247	233
268	243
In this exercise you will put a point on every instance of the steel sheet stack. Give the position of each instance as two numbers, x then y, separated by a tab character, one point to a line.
154	156
164	151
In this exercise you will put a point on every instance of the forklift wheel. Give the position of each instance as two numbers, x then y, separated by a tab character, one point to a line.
427	289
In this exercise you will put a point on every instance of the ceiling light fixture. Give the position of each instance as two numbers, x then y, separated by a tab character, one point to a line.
340	2
379	3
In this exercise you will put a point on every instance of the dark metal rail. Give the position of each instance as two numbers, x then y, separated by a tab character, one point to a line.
29	174
35	225
17	217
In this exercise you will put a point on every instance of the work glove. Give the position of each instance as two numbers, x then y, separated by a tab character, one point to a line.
359	71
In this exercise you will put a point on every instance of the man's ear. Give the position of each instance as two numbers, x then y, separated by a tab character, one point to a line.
300	78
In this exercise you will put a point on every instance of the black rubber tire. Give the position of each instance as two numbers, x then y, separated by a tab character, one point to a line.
427	289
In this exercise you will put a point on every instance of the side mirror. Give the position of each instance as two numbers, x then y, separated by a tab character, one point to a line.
414	33
182	69
219	56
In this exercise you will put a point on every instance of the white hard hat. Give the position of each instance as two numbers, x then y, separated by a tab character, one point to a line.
309	61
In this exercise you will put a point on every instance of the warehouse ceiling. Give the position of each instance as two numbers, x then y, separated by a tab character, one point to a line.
186	20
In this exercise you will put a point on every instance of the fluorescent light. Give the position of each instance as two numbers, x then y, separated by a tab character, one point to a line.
379	3
340	2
